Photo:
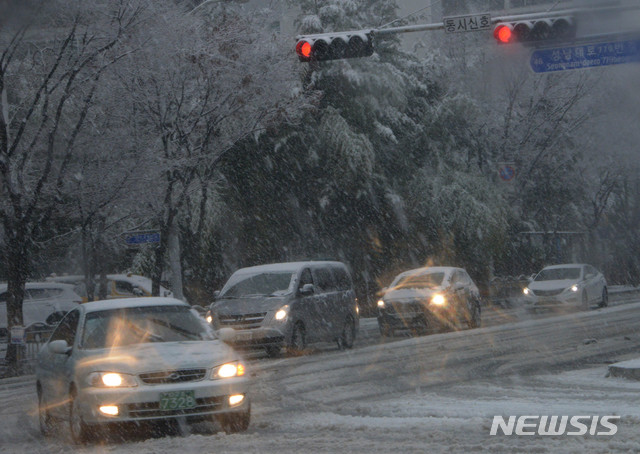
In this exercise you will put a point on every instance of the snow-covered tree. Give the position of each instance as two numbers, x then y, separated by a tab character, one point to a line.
53	57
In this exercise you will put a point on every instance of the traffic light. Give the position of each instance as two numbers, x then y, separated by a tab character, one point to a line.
335	46
535	31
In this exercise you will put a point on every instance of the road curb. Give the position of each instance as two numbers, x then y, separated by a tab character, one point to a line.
626	369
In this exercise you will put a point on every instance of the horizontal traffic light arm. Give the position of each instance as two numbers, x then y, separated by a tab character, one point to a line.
339	45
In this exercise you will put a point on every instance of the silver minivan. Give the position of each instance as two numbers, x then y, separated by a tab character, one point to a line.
287	305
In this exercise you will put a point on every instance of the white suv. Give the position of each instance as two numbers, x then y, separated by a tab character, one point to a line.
44	302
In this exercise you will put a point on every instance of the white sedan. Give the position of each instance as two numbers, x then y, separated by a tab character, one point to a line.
571	285
138	359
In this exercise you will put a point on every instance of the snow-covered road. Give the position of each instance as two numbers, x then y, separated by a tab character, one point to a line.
436	393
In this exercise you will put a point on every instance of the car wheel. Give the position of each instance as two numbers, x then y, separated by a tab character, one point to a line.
585	301
348	334
385	330
44	418
235	422
605	298
77	428
272	350
474	315
298	340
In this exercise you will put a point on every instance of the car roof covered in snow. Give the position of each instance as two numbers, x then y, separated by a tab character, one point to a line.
126	303
565	265
37	285
287	267
429	270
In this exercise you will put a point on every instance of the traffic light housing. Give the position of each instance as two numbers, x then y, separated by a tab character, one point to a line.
335	46
536	31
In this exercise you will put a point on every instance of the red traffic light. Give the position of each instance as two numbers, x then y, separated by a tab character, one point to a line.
503	33
303	49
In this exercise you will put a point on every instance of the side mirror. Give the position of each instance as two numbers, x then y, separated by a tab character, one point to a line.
59	347
216	294
307	289
227	335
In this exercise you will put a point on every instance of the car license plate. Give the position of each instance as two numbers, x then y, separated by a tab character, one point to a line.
244	336
177	400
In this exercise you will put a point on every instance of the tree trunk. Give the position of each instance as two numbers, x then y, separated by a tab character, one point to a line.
17	272
174	263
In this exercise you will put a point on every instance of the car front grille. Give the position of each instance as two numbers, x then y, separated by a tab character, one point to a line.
152	409
173	376
547	292
244	321
407	309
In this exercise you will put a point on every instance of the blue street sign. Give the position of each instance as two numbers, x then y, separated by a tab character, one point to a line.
135	238
586	56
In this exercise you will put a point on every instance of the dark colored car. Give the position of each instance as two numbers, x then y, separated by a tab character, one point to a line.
427	299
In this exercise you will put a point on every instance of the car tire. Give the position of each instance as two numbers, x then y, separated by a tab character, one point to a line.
78	429
605	298
233	423
298	340
385	330
475	313
585	301
45	419
272	351
348	334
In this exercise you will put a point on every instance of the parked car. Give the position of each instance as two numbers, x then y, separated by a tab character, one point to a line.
118	285
138	359
431	298
44	302
288	304
569	285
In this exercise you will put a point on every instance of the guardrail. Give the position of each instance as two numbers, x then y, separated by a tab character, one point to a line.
35	336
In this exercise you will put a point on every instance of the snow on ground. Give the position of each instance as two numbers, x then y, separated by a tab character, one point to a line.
438	420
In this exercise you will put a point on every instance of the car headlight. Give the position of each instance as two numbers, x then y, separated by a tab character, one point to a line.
439	300
111	380
574	288
381	304
526	291
281	314
209	317
228	370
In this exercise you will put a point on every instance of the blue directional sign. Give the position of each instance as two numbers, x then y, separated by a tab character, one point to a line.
586	56
137	238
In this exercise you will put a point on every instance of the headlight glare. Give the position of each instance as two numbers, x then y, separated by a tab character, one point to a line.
438	300
574	288
381	304
282	313
111	380
526	291
228	370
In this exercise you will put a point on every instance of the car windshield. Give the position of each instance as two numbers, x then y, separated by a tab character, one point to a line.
427	280
558	274
138	325
259	284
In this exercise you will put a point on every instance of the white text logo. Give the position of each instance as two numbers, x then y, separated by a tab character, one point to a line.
555	425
